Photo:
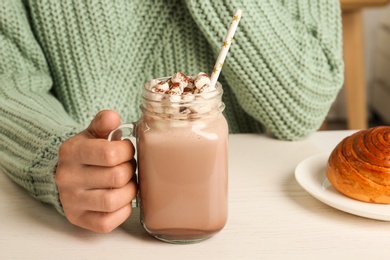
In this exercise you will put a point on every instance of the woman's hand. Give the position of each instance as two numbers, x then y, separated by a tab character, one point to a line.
95	176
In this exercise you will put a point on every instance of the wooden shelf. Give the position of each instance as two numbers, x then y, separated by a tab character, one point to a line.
353	48
357	4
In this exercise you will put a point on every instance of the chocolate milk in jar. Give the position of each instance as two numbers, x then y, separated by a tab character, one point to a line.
182	142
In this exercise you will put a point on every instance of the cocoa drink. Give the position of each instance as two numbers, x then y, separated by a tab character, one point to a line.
183	177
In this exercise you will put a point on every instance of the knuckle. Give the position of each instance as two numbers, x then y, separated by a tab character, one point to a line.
60	177
110	156
115	178
72	216
118	177
108	202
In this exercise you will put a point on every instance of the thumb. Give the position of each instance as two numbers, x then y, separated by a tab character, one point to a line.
104	122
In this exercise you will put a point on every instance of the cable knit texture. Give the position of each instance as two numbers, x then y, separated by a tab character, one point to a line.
63	61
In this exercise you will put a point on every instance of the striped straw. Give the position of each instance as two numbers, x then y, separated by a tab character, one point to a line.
225	48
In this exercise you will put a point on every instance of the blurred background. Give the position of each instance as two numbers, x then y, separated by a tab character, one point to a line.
369	21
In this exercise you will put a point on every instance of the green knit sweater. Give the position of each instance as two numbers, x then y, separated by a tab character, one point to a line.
63	61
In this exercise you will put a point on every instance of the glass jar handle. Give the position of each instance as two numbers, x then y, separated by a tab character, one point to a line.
123	132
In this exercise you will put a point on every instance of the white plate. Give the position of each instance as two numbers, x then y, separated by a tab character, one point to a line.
311	175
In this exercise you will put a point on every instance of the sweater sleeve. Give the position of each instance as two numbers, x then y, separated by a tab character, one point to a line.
33	123
285	65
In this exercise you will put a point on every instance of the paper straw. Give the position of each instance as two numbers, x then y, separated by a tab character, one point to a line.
225	48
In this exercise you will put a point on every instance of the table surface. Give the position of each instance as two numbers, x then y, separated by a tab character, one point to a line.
270	217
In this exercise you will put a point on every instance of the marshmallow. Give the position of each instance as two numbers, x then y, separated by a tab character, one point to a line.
181	79
175	89
164	86
202	80
158	86
153	82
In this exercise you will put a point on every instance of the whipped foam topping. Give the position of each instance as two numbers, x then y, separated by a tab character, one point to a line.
181	84
183	96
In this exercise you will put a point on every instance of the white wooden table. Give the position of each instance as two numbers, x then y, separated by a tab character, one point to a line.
270	217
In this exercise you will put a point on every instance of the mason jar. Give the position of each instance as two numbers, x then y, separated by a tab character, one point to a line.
182	158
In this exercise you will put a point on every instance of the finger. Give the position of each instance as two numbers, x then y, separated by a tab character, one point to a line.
107	200
103	222
103	123
102	152
95	177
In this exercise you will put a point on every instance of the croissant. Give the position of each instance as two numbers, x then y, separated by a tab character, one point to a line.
359	166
